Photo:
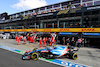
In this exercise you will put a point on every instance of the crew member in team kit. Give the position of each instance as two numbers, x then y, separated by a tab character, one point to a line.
44	41
16	37
40	42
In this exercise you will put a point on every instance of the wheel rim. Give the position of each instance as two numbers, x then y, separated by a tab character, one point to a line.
34	56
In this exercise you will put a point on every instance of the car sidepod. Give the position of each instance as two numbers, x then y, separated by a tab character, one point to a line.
59	50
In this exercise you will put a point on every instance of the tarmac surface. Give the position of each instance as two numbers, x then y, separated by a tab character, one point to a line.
86	56
11	59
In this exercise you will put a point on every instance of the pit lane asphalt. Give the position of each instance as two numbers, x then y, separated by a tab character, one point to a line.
86	56
11	59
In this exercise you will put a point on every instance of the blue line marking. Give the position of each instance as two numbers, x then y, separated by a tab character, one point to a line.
69	64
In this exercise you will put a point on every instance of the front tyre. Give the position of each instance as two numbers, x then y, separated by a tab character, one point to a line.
74	56
34	56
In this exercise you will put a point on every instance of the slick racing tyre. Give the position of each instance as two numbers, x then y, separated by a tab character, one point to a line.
74	56
34	56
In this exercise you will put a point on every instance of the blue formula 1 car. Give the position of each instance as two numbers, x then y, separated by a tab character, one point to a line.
50	53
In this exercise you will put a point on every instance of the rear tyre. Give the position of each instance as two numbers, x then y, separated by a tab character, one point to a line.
34	56
74	56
